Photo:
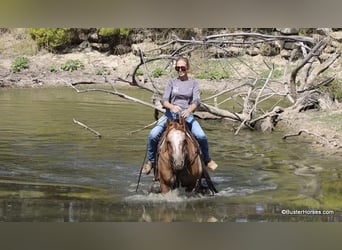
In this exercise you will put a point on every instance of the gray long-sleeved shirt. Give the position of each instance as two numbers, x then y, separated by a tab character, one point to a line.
182	93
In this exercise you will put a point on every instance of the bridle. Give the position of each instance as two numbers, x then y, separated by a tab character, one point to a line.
187	163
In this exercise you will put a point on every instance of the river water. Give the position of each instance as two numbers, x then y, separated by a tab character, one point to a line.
52	169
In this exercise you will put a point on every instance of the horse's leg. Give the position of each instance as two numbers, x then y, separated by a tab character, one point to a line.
164	188
166	179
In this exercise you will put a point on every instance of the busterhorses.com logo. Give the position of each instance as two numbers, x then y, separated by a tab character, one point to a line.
307	212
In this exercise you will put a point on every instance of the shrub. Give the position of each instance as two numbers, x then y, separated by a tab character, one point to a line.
53	69
113	31
19	64
140	72
212	70
72	65
214	74
51	38
158	72
103	71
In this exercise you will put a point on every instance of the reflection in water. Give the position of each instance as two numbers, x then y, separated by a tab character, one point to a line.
77	211
53	170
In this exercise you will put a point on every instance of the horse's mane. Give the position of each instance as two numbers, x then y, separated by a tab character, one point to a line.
178	124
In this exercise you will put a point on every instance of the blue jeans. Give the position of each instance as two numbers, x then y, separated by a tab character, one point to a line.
157	131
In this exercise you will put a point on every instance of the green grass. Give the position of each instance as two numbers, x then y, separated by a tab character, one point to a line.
212	70
331	120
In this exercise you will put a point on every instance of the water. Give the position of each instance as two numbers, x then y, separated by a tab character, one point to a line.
52	169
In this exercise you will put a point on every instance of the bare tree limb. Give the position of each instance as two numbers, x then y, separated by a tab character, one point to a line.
326	141
321	68
316	50
88	128
145	127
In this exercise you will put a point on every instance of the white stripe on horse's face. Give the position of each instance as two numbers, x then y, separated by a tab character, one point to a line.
176	138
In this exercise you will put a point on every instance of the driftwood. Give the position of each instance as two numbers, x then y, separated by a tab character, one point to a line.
319	138
250	89
88	128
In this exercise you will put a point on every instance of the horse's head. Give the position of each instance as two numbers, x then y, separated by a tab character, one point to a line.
176	144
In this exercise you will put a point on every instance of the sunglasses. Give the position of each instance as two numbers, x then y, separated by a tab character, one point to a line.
180	68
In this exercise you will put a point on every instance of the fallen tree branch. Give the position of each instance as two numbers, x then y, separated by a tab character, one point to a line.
120	94
88	128
140	129
307	132
316	50
256	102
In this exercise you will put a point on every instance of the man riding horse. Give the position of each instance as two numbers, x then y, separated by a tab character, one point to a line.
181	96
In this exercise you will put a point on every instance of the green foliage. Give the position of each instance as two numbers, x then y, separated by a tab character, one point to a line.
103	71
158	72
20	63
113	31
334	89
53	69
212	70
72	65
276	74
213	74
51	38
140	72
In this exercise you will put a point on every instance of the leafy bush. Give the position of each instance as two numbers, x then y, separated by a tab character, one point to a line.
51	38
103	71
20	63
72	65
158	72
140	72
113	31
53	69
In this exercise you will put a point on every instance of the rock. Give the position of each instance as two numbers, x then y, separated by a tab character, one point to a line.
324	31
289	45
253	52
289	31
336	36
121	49
144	47
269	49
285	53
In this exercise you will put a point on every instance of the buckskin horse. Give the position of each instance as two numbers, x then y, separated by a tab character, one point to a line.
179	161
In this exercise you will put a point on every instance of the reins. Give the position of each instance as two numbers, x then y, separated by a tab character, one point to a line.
141	168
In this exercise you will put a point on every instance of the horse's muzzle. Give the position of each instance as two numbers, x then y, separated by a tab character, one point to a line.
177	165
